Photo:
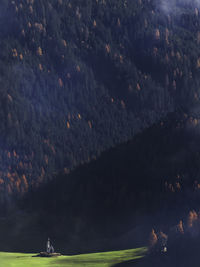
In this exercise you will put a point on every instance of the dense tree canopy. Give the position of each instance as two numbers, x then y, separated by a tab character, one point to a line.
78	77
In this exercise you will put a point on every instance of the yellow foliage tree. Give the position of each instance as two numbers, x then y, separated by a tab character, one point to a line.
39	51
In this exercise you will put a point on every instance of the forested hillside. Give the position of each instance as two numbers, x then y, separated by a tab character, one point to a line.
77	77
114	201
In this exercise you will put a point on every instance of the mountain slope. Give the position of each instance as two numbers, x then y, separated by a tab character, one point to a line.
78	78
114	201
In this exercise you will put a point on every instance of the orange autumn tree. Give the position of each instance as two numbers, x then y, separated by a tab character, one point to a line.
180	228
192	218
153	239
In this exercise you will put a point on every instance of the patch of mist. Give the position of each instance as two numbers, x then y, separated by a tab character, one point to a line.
176	7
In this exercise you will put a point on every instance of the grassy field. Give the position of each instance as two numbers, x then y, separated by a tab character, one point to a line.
105	259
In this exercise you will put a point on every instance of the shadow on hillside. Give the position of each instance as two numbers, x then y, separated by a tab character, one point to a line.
130	263
149	261
161	261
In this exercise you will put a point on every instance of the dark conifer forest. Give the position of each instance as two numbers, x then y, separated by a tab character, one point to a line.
99	122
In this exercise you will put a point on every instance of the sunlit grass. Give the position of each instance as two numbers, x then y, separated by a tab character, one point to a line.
104	259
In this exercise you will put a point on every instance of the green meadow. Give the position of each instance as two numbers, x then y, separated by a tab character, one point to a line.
104	259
